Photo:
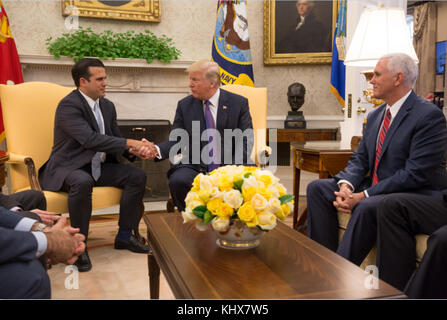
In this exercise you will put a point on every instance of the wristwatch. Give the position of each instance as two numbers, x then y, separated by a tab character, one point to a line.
40	227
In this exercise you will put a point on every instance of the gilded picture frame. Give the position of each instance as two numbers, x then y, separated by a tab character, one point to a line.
280	23
136	10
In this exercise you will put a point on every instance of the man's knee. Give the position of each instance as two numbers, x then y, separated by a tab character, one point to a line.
81	185
137	176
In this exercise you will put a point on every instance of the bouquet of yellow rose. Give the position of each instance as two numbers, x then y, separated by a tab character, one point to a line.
229	193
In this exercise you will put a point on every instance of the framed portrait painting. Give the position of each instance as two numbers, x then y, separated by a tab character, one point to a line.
299	32
138	10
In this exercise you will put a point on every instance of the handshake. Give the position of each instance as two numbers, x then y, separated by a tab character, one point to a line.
143	149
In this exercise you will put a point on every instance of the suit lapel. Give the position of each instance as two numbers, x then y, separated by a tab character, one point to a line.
400	116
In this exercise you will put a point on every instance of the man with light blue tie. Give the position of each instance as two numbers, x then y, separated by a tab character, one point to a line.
86	151
212	127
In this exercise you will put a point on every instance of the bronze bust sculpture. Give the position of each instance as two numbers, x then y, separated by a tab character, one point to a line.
295	96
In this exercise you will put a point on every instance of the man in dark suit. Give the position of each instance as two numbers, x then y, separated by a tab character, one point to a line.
86	150
307	34
212	127
22	242
399	218
402	150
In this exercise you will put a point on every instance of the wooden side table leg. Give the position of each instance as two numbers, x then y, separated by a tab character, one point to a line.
296	193
154	276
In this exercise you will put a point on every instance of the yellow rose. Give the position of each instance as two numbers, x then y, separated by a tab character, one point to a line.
204	195
282	191
250	169
280	214
225	183
248	193
258	202
196	183
248	215
267	220
266	193
286	209
224	211
266	179
213	205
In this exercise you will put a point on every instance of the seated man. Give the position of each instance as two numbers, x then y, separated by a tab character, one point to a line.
402	149
22	242
213	128
399	218
86	150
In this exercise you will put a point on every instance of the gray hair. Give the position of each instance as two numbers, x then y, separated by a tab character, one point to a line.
209	68
401	62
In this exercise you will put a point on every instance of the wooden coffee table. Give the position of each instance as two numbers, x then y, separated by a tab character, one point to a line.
286	265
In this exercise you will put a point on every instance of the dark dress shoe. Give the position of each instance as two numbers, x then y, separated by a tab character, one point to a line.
83	263
133	245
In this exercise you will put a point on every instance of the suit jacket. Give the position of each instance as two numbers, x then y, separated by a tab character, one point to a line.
15	245
413	152
77	138
233	113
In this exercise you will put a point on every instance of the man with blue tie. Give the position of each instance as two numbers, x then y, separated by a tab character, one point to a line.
402	150
86	151
212	127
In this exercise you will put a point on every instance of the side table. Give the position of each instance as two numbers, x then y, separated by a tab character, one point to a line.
326	158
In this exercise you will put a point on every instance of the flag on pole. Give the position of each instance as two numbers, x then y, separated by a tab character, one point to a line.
231	43
338	71
10	71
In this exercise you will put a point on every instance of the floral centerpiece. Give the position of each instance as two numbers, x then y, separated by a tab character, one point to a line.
247	199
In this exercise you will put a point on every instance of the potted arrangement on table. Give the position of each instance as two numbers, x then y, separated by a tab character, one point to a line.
240	203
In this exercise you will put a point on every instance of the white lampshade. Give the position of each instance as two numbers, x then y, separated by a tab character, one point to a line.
379	32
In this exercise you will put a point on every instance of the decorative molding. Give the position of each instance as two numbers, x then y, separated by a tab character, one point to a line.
47	60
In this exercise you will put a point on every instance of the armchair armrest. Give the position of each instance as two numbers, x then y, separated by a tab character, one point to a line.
29	163
263	156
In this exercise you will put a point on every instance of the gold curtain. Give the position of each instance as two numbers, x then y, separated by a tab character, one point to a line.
425	17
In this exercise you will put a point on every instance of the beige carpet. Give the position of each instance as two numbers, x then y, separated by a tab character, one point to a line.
116	274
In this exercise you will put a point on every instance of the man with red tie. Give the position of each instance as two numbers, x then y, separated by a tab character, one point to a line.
402	150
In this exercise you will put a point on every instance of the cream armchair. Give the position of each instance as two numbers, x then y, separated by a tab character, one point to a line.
257	102
28	115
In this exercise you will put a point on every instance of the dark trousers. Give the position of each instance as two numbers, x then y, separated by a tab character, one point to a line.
79	185
429	281
26	200
322	222
400	217
24	280
180	183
